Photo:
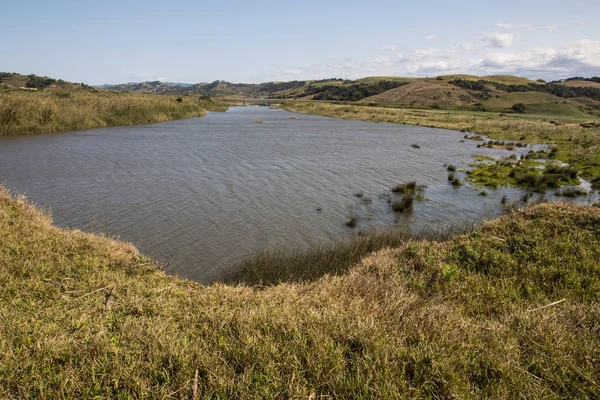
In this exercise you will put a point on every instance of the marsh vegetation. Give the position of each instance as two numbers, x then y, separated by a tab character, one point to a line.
574	144
28	113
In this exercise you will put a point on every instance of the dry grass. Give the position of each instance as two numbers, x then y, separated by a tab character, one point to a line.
27	113
83	316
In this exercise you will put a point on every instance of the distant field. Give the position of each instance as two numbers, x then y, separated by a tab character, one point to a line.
553	109
507	100
375	79
580	84
538	103
505	79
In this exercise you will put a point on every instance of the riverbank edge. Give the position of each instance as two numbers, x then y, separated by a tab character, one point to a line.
573	144
27	114
502	311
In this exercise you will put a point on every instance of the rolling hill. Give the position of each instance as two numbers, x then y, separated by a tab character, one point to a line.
495	92
426	93
577	96
12	80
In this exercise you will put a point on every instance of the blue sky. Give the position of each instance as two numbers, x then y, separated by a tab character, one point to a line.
255	41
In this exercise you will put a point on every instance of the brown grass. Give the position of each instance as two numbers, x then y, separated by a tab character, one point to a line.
27	113
510	310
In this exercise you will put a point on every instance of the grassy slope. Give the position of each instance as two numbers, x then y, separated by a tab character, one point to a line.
84	316
576	145
26	113
580	84
505	79
540	103
424	92
375	79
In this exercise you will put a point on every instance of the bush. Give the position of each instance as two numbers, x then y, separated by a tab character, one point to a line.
519	108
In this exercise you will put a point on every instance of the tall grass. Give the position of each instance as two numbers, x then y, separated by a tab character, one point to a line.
507	311
27	113
336	257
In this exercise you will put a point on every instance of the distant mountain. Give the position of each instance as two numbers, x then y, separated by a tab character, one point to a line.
110	85
495	92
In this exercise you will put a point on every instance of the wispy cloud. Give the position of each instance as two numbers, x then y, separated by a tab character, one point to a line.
392	47
431	37
149	78
553	28
500	40
512	26
293	72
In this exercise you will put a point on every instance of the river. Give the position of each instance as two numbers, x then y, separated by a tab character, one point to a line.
200	194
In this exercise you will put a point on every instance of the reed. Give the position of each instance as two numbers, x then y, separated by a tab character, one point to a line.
28	113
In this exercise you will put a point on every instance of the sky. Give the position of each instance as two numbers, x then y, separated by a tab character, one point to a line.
100	42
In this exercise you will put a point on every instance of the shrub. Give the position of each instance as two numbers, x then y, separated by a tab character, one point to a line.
352	221
408	187
403	204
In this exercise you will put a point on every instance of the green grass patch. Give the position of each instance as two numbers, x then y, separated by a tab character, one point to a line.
525	173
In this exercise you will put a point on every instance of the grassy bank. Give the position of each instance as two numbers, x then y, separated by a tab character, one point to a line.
509	310
576	145
27	112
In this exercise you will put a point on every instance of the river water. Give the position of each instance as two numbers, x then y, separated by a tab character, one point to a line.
200	194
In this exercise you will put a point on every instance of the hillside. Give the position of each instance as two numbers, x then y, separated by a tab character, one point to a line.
11	80
502	79
581	84
576	96
424	92
507	311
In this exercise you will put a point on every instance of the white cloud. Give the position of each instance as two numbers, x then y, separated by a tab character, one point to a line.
500	40
584	50
581	57
149	78
553	28
578	58
295	72
389	48
431	37
512	26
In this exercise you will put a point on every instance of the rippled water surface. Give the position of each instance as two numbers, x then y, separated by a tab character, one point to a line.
199	194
